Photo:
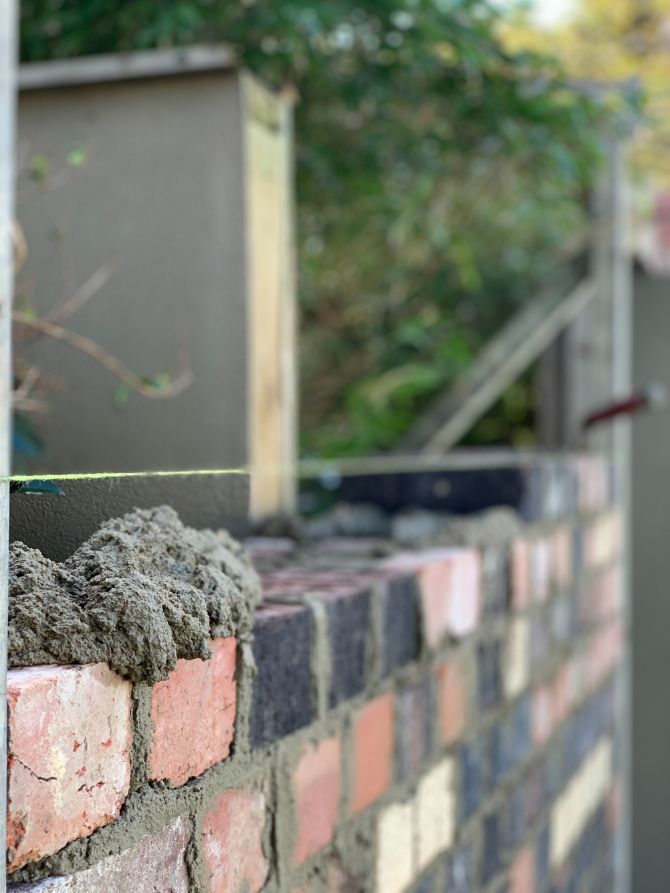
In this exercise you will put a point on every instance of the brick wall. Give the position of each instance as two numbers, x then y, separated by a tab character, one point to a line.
446	719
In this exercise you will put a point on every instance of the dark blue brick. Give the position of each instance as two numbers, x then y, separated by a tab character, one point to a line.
400	624
282	699
414	726
459	873
472	777
539	640
500	760
497	582
542	866
518	727
516	824
493	845
349	636
489	674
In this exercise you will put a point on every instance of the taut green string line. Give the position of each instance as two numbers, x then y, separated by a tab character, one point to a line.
318	468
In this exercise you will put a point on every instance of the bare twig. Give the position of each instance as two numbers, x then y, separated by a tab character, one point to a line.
107	360
83	294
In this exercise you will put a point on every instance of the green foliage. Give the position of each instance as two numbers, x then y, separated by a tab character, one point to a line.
437	174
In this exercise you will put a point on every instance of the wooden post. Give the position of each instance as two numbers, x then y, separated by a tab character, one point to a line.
7	114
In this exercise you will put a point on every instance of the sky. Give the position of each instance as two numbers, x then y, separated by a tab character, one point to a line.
547	13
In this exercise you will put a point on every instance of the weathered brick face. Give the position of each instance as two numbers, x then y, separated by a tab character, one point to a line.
401	721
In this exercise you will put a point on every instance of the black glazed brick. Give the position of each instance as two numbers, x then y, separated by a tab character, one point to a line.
400	623
282	699
414	726
493	845
472	777
489	657
348	635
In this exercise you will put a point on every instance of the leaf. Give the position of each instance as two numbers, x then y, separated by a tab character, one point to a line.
77	157
39	167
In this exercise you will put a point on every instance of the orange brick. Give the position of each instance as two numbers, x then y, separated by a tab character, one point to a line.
193	715
69	756
372	752
316	789
452	699
233	842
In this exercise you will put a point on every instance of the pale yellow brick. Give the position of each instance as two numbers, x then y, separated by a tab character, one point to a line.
395	848
435	812
575	806
517	657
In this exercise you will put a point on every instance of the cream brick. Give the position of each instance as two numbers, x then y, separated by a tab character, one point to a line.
585	790
435	812
395	848
517	657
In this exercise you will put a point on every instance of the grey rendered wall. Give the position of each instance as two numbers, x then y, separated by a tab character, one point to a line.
161	198
651	595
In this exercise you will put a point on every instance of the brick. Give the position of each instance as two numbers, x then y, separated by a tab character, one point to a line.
493	845
496	580
414	726
282	699
489	674
193	715
435	812
471	761
561	557
542	867
543	715
158	862
522	873
517	657
460	870
401	622
603	539
348	635
232	832
541	570
453	699
573	809
69	756
316	782
520	574
395	857
372	771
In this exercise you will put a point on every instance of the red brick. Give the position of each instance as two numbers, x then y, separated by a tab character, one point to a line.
69	756
561	557
193	715
452	699
522	874
542	715
521	576
450	594
158	862
233	842
372	752
560	695
316	790
541	570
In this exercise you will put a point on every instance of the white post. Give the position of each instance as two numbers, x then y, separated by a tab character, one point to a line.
7	116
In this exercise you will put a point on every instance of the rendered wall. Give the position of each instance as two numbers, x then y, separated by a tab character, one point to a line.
440	719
